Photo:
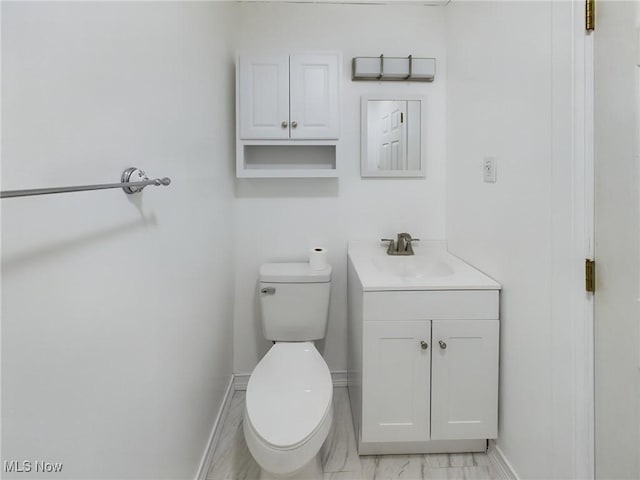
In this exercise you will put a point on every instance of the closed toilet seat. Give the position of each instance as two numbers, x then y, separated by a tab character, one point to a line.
288	407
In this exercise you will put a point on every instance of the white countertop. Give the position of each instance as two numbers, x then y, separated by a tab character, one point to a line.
431	268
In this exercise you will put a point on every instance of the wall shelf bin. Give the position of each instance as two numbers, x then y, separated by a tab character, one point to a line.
286	160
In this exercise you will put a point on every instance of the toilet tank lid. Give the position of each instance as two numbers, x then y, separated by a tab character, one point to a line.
293	272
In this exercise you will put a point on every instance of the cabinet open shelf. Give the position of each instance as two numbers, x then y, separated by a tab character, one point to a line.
286	160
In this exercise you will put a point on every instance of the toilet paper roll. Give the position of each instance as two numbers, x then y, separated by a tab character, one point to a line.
318	258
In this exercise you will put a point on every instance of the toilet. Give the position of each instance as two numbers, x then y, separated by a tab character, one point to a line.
289	408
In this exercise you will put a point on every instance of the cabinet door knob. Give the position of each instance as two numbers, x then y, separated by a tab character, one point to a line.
424	344
294	124
442	344
284	124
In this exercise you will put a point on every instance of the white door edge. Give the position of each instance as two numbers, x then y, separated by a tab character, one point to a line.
584	229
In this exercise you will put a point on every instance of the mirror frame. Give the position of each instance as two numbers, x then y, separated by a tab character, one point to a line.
364	136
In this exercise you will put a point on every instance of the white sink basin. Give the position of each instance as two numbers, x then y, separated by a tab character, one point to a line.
413	266
431	268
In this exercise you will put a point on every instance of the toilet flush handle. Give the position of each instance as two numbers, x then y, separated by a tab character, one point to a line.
268	290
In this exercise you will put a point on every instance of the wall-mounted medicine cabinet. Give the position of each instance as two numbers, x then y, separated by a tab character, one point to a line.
287	115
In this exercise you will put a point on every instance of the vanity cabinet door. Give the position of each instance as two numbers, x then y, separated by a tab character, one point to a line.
263	96
464	379
395	383
314	96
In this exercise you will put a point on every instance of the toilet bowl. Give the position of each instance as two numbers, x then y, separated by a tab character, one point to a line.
289	409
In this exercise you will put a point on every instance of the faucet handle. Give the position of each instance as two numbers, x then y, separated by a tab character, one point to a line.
392	245
408	246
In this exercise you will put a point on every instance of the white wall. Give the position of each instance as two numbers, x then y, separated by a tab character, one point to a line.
509	96
280	219
117	311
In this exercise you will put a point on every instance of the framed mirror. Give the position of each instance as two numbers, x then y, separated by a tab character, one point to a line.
392	136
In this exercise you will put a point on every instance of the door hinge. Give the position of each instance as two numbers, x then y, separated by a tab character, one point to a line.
590	15
590	275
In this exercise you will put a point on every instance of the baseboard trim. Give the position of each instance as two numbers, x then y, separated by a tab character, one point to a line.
504	469
207	458
339	378
430	446
240	380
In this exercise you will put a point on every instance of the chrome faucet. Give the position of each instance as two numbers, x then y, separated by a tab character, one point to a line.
402	246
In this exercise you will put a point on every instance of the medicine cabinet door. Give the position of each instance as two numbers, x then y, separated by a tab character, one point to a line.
263	86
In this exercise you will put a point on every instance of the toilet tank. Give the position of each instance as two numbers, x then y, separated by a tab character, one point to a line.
294	301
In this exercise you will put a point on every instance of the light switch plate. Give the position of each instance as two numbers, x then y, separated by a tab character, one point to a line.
489	170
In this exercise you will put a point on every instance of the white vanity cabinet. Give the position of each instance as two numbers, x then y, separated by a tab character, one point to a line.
288	114
423	367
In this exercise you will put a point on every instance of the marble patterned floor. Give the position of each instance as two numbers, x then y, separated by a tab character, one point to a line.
340	461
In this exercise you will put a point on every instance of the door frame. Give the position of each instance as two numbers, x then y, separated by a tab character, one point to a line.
583	237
